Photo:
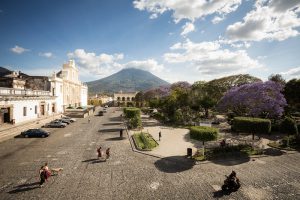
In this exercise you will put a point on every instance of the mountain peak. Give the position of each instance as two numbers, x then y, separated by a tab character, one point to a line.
127	80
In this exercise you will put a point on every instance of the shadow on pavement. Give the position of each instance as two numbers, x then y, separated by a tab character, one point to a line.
218	194
115	119
197	144
115	139
25	187
174	164
232	160
273	152
94	160
19	136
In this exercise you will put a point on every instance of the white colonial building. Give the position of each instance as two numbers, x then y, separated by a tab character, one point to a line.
24	97
124	98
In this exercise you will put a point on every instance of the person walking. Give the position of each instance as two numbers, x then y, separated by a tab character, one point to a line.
99	151
159	135
107	153
42	173
89	120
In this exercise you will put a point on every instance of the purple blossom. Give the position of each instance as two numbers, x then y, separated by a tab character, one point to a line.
255	99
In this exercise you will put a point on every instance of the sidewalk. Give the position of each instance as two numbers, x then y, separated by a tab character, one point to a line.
8	131
174	141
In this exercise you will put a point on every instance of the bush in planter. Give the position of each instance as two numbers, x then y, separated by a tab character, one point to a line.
275	125
251	125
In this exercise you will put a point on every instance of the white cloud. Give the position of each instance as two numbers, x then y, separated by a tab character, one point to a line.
217	19
148	65
106	64
187	28
270	20
96	64
292	73
46	54
210	59
18	50
183	9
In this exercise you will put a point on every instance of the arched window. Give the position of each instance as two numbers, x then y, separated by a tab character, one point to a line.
132	99
119	98
128	98
123	98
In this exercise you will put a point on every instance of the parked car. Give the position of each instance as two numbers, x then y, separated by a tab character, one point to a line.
55	124
69	118
66	121
35	133
100	113
106	106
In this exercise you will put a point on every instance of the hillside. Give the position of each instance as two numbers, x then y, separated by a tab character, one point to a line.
127	80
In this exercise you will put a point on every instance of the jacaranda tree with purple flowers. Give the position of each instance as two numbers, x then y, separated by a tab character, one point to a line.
260	99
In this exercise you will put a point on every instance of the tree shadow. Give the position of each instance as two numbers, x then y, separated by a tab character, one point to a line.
25	187
231	159
197	144
273	152
113	123
174	164
94	160
115	119
115	139
19	136
218	194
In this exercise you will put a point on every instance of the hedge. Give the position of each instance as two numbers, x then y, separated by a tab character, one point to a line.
131	112
134	117
288	126
203	133
251	125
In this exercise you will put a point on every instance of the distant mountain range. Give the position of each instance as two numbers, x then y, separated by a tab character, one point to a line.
127	80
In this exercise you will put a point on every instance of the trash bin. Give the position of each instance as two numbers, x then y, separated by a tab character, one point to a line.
189	152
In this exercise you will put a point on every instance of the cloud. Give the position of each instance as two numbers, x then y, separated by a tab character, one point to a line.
148	65
209	58
187	28
18	50
269	20
217	19
106	64
292	73
46	54
96	64
183	9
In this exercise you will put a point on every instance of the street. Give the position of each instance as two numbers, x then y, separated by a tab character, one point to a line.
128	174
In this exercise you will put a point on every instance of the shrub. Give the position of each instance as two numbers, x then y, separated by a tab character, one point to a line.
203	133
131	112
251	125
135	122
288	126
275	125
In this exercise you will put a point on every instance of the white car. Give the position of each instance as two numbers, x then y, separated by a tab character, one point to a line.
69	118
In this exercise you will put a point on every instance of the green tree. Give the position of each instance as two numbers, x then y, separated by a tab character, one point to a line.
292	94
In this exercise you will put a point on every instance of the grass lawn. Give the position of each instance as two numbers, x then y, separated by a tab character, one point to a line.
144	141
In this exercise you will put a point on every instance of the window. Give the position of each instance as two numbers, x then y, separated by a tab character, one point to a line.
53	91
48	106
35	109
24	111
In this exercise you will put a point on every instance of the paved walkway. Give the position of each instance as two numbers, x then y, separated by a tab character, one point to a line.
174	141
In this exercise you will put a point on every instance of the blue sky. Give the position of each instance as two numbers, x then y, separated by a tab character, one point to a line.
178	40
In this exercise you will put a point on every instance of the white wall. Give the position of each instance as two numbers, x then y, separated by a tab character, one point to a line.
57	84
84	95
19	105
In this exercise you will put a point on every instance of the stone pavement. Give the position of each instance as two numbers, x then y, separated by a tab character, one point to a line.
130	175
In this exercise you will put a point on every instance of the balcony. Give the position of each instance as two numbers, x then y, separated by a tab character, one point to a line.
23	92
